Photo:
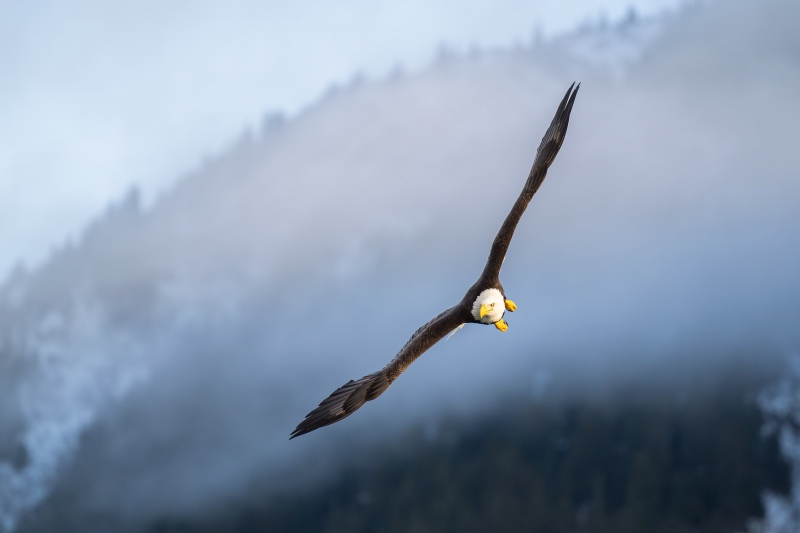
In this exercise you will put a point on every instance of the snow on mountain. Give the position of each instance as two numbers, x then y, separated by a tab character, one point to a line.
610	49
157	365
781	404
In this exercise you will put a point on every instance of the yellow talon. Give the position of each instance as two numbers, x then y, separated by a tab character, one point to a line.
511	306
501	325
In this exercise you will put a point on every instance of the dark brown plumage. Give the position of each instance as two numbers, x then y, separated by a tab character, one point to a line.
352	395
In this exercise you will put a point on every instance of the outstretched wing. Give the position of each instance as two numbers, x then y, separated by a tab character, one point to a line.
352	395
545	154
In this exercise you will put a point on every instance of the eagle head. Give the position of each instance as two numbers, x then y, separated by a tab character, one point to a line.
488	307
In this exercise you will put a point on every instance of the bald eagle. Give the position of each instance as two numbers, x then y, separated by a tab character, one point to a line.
484	303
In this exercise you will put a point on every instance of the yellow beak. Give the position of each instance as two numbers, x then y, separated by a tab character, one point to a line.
483	311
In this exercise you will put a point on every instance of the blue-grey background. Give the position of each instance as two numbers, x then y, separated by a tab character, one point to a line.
224	214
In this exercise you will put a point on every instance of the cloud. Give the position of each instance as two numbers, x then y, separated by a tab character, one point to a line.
101	96
165	357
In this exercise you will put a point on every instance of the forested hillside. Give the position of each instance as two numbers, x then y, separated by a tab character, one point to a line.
649	460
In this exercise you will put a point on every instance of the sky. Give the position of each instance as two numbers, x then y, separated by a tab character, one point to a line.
157	366
99	97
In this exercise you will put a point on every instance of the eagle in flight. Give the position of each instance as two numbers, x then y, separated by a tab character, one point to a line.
484	303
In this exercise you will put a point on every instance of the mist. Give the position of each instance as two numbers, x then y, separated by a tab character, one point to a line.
157	365
100	96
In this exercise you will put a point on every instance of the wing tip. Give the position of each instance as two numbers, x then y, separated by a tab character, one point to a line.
565	110
569	99
307	426
343	402
552	140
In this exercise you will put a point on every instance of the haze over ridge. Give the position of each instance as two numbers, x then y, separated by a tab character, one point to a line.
172	339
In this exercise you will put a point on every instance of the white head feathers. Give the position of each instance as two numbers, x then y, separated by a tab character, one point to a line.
494	308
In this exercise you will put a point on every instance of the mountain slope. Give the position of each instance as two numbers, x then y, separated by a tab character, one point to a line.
157	366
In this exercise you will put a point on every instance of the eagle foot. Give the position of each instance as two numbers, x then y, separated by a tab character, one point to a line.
501	325
511	306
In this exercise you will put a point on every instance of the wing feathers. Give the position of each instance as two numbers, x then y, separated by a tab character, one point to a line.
545	155
377	386
552	140
348	398
352	395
